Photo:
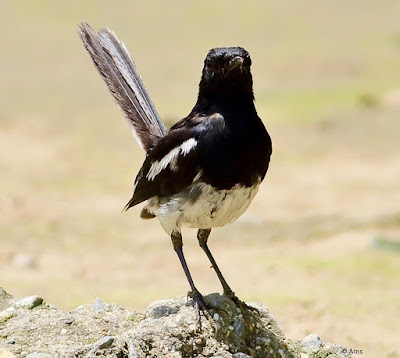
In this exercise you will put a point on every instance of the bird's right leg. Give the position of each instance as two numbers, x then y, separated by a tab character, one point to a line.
197	297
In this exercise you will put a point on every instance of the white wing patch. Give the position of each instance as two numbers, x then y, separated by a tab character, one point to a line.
160	165
188	145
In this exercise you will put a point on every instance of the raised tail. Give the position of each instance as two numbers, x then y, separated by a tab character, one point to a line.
122	78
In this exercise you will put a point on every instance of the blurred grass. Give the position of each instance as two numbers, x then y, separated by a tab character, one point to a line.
309	59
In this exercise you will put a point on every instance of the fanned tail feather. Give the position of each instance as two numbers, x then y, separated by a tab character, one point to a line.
122	78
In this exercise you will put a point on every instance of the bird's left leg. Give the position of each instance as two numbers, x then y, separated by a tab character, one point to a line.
202	236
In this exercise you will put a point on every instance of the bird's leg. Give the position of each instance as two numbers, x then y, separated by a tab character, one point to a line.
202	236
197	297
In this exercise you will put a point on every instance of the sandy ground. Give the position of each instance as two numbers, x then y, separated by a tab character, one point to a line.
303	248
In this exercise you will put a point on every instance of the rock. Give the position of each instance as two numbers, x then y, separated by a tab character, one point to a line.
312	343
28	302
5	298
163	308
311	346
67	321
99	306
5	316
105	342
169	328
102	343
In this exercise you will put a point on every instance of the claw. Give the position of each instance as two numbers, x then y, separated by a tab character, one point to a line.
239	304
199	304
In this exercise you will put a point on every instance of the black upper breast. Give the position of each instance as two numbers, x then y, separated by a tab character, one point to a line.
234	153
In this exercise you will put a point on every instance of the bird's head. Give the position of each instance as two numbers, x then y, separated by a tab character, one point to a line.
226	71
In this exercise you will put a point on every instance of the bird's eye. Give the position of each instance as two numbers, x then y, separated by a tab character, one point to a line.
209	64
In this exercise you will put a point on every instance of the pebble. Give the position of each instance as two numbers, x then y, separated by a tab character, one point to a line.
312	343
38	355
67	321
104	342
10	341
241	355
5	316
173	355
162	308
216	317
63	331
132	350
29	302
99	306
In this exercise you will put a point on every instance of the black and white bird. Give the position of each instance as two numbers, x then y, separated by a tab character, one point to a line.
206	169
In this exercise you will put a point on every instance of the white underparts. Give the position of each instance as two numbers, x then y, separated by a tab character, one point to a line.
212	208
159	165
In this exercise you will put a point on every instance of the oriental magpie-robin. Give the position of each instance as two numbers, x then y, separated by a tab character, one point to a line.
206	169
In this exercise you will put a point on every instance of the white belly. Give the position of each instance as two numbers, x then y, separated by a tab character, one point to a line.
211	208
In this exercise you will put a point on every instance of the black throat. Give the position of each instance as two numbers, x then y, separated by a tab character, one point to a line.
229	95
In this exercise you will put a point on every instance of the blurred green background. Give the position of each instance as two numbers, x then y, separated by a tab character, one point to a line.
327	85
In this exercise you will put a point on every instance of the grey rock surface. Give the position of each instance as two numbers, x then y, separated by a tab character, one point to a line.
28	302
99	306
169	328
38	355
312	343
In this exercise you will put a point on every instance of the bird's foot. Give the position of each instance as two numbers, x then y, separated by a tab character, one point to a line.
239	304
199	304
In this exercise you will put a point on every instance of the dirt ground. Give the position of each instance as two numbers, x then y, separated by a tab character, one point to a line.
304	248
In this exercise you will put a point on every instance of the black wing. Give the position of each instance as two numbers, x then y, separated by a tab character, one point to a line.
207	148
169	168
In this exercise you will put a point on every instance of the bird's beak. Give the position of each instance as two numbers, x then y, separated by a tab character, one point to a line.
235	62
